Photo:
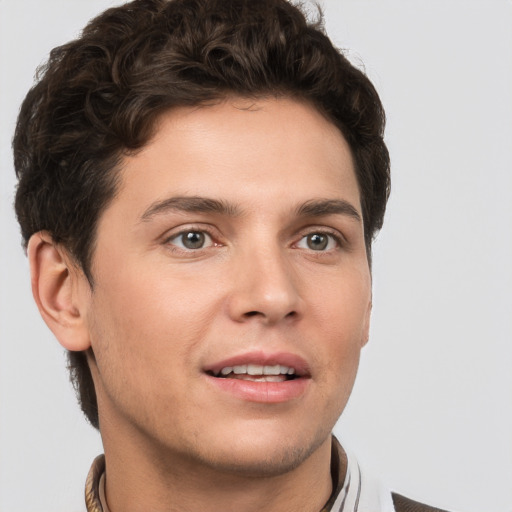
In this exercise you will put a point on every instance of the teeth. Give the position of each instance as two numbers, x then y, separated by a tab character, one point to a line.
264	378
272	370
254	369
257	369
273	378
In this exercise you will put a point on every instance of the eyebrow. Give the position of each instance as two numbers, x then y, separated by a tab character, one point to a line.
190	204
320	207
196	204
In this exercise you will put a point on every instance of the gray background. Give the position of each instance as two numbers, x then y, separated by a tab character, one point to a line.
432	408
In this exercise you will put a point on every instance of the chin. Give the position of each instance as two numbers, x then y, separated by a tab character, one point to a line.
259	465
257	455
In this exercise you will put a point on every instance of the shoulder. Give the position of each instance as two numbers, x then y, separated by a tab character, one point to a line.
403	504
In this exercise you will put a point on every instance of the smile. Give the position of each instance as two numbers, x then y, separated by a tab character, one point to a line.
258	373
257	377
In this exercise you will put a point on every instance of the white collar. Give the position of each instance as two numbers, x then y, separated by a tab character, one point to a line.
361	492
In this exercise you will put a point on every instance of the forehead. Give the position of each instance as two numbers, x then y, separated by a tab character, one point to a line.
242	150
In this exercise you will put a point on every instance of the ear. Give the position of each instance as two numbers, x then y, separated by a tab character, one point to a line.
61	291
366	324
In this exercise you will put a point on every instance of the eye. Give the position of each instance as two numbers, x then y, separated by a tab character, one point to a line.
190	240
318	242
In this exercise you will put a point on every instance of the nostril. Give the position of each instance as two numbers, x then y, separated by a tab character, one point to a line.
251	314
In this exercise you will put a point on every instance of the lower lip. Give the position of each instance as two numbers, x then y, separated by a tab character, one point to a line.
263	392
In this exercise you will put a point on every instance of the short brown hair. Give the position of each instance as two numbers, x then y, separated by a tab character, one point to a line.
98	97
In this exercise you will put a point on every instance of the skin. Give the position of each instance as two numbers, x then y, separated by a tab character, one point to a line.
160	313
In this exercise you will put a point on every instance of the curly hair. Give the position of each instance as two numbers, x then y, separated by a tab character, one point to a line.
98	98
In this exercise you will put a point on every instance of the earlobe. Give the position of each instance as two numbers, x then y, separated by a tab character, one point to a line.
56	284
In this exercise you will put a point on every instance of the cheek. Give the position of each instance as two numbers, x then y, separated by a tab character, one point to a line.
342	307
151	316
342	311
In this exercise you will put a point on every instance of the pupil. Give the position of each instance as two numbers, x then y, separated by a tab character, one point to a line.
317	242
193	240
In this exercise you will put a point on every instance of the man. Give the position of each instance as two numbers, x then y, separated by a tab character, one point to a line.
200	184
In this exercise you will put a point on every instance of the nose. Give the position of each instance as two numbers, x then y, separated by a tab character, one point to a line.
264	288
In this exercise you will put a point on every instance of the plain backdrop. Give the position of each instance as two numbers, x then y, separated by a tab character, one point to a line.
431	411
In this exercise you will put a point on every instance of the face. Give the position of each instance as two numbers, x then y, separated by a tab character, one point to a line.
232	291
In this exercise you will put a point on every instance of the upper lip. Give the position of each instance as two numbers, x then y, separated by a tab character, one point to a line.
264	359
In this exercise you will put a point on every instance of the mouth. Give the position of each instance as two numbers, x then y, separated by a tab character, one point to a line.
257	373
259	377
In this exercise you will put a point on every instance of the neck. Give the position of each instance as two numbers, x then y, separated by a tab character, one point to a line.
138	480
